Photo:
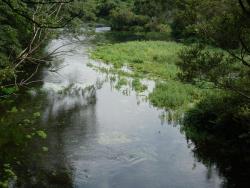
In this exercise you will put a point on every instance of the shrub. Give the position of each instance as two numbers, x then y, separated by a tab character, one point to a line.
222	115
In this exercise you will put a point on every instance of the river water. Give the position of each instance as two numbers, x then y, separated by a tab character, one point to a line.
100	137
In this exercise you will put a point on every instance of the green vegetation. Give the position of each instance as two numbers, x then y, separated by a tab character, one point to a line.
174	94
219	128
121	82
25	29
228	71
220	122
134	15
154	59
219	114
138	86
19	131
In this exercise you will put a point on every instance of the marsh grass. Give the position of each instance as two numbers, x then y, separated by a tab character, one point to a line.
153	59
121	82
138	86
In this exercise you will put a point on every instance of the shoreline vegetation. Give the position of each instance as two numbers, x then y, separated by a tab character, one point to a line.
152	60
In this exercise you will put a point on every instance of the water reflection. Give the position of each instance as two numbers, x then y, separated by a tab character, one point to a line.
23	161
69	98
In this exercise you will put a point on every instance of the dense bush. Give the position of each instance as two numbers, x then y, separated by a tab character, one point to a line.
222	115
26	26
124	19
14	34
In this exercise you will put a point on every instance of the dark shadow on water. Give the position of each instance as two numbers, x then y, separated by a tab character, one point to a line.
26	159
230	157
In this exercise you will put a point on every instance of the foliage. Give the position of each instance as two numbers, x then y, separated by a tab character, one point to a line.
219	128
18	132
41	134
218	114
133	15
124	19
26	26
13	36
196	20
220	122
217	67
227	70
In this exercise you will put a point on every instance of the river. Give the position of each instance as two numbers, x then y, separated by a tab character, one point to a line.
100	137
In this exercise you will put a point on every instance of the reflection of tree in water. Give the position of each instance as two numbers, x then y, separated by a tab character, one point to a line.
21	147
230	157
65	127
25	154
22	151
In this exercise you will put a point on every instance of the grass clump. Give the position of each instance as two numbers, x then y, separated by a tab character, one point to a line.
174	94
138	86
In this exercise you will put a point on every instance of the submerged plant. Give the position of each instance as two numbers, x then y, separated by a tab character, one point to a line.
120	83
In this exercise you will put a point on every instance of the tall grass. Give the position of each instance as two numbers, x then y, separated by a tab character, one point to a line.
174	94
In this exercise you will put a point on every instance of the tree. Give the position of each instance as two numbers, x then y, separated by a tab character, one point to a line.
219	124
227	69
26	25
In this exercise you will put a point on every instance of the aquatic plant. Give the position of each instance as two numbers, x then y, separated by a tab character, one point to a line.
153	59
138	86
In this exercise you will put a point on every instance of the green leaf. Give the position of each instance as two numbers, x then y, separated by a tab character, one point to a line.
42	134
37	114
9	90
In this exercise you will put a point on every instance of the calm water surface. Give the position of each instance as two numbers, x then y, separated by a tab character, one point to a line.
99	137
